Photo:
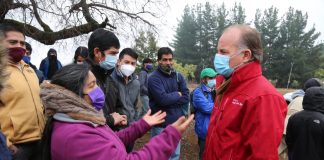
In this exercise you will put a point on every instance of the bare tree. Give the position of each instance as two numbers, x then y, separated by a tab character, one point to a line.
50	20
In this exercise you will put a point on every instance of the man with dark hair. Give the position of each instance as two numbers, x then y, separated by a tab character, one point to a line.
27	58
248	116
147	66
128	85
21	111
103	48
167	90
50	64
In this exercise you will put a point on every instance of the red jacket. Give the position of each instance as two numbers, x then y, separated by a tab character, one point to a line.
249	121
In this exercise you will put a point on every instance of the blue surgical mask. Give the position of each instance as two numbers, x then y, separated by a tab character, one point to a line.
109	62
149	67
26	59
221	64
211	83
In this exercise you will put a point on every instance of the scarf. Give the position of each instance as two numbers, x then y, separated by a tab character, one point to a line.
3	65
57	99
221	90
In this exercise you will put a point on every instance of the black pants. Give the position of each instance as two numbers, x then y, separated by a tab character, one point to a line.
201	143
28	151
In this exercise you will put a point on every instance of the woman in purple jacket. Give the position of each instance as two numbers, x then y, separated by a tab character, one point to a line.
76	126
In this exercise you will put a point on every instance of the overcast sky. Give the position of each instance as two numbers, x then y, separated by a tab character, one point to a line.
314	8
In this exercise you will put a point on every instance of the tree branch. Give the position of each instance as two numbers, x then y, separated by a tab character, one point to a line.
131	15
38	18
19	5
50	38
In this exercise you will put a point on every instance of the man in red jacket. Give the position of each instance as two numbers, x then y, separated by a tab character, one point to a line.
248	117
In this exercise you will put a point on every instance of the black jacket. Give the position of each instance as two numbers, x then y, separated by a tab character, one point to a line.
305	130
106	83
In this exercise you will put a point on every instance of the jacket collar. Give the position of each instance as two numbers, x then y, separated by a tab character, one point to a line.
66	118
204	88
249	71
20	65
165	74
118	75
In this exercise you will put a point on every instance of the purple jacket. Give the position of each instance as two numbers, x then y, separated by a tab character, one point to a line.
87	141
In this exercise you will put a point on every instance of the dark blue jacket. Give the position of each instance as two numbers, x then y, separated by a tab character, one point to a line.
44	66
5	154
39	73
163	93
203	104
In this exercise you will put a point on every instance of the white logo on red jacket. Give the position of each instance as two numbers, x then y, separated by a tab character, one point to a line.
237	102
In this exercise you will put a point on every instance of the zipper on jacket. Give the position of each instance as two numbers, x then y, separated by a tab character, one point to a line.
217	119
222	110
22	71
231	155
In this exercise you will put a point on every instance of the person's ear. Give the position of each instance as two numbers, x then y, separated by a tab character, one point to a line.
98	56
247	55
97	52
118	62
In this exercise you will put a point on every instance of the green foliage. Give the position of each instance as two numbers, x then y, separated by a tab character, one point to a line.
186	70
238	14
286	42
146	45
287	45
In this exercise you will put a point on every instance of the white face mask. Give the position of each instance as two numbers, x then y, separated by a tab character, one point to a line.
127	69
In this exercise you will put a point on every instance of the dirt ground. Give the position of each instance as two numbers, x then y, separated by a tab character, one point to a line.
189	141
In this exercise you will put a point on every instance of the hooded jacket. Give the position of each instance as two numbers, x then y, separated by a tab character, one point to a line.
203	102
21	110
248	121
45	63
305	129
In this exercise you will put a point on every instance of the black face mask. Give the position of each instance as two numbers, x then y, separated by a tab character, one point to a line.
52	57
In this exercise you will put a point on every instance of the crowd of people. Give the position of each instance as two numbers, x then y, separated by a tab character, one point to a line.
89	109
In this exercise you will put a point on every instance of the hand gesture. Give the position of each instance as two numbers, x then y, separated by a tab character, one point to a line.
119	119
182	123
124	122
154	119
13	149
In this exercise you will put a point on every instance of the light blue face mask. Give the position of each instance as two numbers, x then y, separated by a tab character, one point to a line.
221	64
109	62
211	83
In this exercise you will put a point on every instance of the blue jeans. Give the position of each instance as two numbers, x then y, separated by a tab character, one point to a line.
176	155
